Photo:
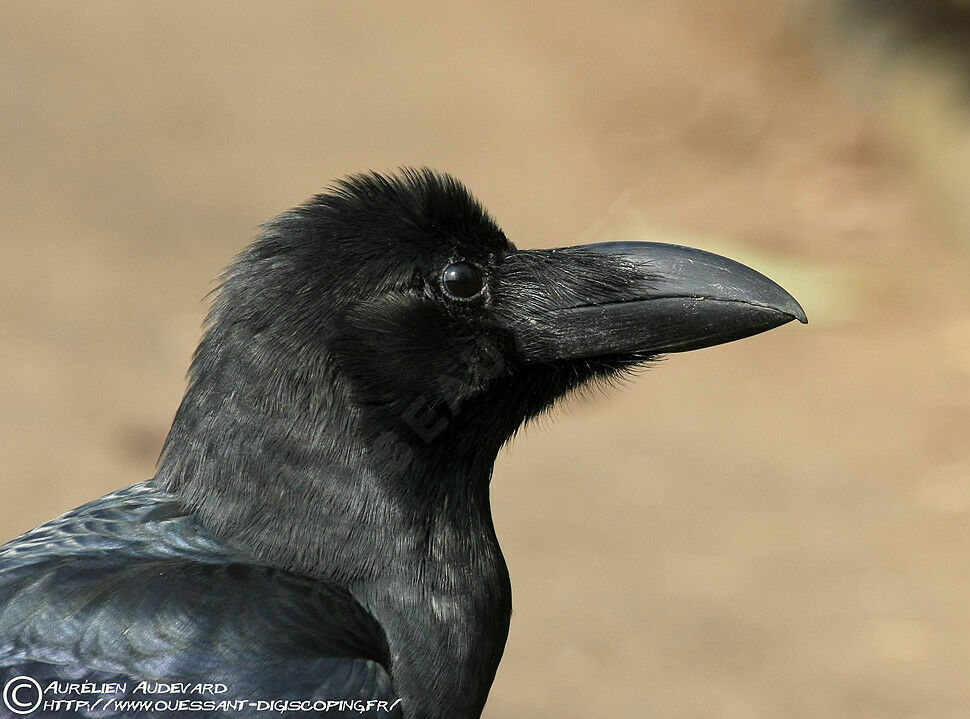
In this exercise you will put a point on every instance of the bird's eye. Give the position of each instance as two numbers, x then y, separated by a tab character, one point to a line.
462	280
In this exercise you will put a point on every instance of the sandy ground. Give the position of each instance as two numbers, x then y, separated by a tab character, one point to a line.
772	528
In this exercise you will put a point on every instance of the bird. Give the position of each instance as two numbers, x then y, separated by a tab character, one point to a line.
318	535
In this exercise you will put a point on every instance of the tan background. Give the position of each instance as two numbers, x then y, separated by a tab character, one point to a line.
773	528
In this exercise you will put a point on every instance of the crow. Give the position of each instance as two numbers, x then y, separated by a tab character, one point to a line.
318	539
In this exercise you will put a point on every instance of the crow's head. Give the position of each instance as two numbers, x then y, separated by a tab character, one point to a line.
389	323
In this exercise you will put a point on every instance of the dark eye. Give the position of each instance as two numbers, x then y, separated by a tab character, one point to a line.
462	280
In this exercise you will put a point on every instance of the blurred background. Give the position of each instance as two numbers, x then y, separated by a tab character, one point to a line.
772	528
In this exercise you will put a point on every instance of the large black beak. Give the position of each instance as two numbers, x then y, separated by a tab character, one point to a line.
642	299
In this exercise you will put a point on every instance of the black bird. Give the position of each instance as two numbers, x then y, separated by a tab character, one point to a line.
319	526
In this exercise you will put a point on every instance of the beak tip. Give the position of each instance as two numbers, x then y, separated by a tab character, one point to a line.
796	311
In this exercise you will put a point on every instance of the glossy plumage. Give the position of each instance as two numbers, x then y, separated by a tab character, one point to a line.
130	586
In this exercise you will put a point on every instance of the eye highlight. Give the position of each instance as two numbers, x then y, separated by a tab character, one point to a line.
462	280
